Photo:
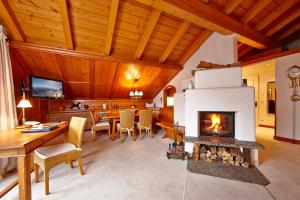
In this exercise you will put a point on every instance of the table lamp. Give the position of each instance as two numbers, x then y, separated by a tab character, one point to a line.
23	104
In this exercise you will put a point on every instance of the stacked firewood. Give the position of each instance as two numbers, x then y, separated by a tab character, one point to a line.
228	155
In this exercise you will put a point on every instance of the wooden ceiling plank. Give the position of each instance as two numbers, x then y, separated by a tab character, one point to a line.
275	14
204	35
254	10
11	22
288	32
63	7
174	41
154	16
203	15
231	6
92	78
196	45
65	52
113	82
20	61
59	68
111	26
292	16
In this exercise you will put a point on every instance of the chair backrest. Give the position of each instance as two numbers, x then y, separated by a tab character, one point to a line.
127	119
75	131
145	118
92	113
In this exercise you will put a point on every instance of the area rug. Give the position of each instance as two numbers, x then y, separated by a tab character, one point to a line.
222	170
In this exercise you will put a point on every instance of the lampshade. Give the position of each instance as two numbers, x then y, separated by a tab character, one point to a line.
24	104
131	94
140	93
136	93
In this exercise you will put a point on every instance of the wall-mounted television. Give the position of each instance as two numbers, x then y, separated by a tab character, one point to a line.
40	87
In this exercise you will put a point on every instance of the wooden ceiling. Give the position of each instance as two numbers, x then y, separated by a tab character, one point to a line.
150	33
89	76
163	31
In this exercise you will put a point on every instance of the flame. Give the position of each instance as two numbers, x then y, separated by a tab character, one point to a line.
215	123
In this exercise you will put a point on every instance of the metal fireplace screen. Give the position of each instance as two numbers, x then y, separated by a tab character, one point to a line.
213	123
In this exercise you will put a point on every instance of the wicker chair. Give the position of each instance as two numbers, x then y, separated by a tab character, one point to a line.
99	126
145	122
48	157
126	124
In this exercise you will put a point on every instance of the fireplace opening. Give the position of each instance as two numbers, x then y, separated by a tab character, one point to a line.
214	123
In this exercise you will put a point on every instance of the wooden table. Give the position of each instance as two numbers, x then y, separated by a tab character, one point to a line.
115	117
15	144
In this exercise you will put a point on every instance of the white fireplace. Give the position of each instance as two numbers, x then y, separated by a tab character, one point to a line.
219	90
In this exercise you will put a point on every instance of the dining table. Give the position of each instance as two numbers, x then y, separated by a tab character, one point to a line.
14	143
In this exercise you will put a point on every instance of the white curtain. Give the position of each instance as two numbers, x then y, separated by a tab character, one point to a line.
8	115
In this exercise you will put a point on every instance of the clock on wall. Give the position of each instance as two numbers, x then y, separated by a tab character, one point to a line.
294	74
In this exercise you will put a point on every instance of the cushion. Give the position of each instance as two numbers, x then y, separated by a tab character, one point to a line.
119	126
54	150
102	124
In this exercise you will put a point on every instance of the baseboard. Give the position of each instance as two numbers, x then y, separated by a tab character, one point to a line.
266	126
287	139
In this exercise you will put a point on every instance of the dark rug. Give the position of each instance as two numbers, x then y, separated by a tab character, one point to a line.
222	170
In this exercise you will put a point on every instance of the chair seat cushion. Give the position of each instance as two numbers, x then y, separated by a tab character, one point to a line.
138	125
102	124
119	126
54	150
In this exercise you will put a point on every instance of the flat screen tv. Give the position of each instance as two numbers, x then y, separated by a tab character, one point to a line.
40	87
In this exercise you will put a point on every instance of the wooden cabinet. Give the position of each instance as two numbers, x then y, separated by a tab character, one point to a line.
67	115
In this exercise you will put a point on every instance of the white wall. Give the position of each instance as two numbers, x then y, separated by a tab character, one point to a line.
284	106
217	49
266	73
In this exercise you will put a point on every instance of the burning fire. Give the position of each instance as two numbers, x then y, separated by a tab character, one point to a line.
216	123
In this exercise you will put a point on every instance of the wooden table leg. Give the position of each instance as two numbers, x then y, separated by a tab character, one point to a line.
113	129
24	177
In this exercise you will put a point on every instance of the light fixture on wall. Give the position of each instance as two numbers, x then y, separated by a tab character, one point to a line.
136	94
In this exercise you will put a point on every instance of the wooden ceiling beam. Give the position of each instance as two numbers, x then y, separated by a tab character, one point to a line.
63	7
275	53
275	14
111	26
174	41
288	32
11	22
251	43
59	51
204	35
231	6
254	10
283	22
203	15
154	16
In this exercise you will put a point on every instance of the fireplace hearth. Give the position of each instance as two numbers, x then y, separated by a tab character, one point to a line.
217	124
